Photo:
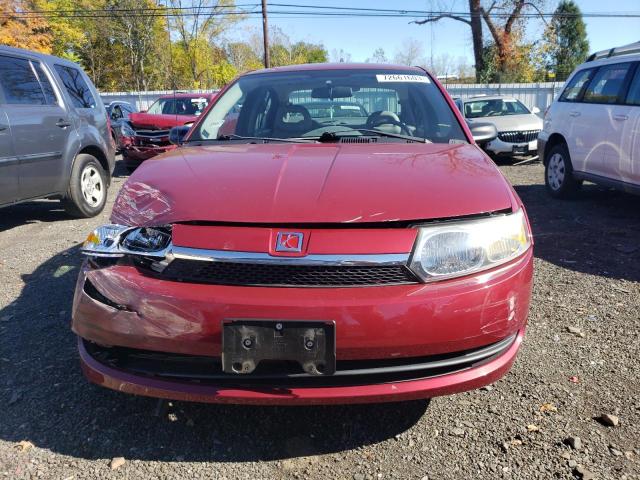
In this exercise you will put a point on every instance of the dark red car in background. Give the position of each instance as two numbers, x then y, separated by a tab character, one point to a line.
285	259
146	134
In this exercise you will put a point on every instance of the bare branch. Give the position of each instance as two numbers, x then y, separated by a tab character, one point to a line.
440	17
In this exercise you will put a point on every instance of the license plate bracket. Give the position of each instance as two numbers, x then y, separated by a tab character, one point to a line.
245	343
520	149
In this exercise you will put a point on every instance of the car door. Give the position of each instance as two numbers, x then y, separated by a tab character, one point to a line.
610	120
9	177
570	118
631	139
40	125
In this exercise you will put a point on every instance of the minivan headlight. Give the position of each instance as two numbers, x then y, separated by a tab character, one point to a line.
454	249
119	240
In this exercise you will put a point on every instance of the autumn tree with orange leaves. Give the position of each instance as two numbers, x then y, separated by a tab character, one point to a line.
24	31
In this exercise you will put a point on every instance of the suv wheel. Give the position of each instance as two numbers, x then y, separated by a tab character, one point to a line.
558	173
87	192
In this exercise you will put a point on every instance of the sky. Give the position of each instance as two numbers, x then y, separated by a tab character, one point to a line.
361	36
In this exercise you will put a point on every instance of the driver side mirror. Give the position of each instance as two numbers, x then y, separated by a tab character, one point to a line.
483	132
535	110
177	134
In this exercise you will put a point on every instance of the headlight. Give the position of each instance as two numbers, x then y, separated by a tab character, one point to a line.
453	249
127	130
119	240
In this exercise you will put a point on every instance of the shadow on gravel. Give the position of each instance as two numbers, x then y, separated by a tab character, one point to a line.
47	401
31	212
43	210
594	233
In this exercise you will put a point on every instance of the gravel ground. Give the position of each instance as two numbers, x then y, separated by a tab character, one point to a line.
53	424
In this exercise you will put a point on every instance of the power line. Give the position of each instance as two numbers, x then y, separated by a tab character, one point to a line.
291	10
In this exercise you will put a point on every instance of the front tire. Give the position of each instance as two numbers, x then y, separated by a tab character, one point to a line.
87	193
558	173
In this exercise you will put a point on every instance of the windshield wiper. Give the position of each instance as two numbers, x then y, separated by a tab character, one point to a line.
264	139
333	136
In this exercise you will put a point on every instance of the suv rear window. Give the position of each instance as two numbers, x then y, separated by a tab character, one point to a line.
78	90
575	85
633	97
19	82
607	84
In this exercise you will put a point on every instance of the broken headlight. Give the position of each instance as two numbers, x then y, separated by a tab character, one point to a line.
119	240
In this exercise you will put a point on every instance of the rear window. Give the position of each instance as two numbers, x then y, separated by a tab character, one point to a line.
494	108
179	106
575	86
19	82
633	97
607	84
74	83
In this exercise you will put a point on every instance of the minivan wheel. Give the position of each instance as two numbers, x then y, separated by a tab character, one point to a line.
87	192
558	173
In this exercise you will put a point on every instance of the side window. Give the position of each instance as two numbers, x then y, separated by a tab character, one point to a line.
607	84
575	86
47	88
633	97
78	90
19	82
116	112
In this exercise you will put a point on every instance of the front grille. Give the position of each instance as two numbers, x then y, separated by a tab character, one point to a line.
208	370
282	275
519	136
146	137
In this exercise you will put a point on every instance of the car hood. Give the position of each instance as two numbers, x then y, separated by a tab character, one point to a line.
159	122
509	123
313	183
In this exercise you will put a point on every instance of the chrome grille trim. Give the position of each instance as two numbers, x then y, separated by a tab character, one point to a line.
188	253
518	136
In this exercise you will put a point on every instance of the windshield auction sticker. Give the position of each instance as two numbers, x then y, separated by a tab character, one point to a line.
402	78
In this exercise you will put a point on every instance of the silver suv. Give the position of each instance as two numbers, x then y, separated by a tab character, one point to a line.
55	140
592	131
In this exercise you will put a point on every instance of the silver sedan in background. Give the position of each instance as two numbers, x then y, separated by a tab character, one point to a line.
517	126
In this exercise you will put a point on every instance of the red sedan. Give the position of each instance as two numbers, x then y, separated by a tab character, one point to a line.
283	256
146	134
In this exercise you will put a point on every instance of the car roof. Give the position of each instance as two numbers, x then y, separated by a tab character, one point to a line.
338	66
609	60
42	56
487	97
208	96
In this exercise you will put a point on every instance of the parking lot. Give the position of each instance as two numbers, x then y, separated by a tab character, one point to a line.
587	280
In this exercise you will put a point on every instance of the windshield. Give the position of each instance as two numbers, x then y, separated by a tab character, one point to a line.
494	108
178	106
307	104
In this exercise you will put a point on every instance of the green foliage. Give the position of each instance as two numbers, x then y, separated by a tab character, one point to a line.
567	38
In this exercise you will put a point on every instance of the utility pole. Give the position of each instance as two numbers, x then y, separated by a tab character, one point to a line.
265	34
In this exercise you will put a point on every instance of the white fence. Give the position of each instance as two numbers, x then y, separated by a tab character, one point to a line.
142	100
531	94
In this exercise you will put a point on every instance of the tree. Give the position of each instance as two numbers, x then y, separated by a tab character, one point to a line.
505	22
567	35
139	37
410	53
18	30
340	56
243	57
378	56
199	24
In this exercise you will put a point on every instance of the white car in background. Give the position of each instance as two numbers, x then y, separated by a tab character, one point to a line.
517	126
592	131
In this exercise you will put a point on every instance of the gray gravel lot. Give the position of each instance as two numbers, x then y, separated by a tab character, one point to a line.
53	424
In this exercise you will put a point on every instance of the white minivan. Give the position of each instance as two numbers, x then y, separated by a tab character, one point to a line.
592	131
